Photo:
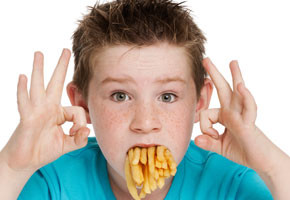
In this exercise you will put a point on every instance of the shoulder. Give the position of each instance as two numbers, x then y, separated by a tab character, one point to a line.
218	175
68	175
75	161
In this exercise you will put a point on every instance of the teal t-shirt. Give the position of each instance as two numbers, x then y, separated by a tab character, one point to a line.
201	175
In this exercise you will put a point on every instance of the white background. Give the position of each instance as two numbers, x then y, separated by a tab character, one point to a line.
256	33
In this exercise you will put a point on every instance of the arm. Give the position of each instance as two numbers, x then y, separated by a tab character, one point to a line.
12	182
39	138
242	141
277	180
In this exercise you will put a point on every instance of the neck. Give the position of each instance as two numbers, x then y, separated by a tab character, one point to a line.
120	190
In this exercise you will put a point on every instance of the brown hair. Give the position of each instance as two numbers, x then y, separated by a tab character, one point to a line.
136	23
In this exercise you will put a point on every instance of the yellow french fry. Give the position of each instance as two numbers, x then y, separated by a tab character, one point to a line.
160	172
156	174
143	157
146	185
160	182
157	163
173	165
131	155
142	194
164	165
160	152
166	173
173	172
151	152
167	154
136	174
152	182
141	175
148	168
136	157
130	183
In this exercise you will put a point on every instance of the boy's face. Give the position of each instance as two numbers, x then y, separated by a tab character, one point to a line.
143	109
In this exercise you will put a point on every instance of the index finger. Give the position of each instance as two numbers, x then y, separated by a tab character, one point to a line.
223	88
55	85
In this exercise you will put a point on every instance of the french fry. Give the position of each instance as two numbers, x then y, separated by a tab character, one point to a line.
157	163
136	174
131	155
173	172
160	172
143	157
167	154
160	182
156	174
146	185
147	169
152	182
142	194
141	173
130	183
166	173
160	152
136	157
151	152
164	165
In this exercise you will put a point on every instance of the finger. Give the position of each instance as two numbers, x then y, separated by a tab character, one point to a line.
223	88
237	78
207	119
22	94
79	140
208	143
236	74
37	92
55	85
249	105
77	115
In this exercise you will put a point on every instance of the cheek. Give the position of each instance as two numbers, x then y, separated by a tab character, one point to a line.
180	130
106	122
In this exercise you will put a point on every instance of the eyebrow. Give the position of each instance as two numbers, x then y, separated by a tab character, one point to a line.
129	79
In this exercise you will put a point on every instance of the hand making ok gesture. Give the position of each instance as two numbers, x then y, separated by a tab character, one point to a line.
39	138
242	141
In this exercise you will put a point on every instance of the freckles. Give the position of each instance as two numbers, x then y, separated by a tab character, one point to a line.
111	117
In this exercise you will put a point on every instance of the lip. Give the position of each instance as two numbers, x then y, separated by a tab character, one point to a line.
144	145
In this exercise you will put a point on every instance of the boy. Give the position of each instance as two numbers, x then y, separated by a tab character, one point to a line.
141	51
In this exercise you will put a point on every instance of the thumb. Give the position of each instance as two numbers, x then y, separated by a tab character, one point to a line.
77	141
208	143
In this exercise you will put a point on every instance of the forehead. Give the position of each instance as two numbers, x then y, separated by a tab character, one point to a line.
147	63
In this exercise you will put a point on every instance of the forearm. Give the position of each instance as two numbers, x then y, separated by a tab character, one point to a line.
278	179
11	182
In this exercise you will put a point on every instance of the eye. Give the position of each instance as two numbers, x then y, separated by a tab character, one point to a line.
120	96
168	96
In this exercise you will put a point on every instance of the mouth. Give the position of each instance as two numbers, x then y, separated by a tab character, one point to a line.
142	145
145	145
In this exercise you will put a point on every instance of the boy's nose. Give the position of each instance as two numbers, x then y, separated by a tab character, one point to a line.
145	119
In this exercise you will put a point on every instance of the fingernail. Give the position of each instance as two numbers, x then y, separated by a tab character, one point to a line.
215	136
237	62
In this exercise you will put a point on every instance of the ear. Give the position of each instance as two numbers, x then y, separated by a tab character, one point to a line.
76	99
204	100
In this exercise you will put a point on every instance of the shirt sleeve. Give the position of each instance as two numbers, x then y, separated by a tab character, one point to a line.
252	187
36	188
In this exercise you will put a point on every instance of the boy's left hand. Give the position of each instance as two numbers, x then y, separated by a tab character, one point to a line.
242	141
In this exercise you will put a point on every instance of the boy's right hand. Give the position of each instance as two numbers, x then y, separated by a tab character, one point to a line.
39	138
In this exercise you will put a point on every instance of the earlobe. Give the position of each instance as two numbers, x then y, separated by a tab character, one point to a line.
77	99
205	97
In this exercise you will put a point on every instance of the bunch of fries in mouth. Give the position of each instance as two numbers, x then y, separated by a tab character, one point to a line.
147	168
